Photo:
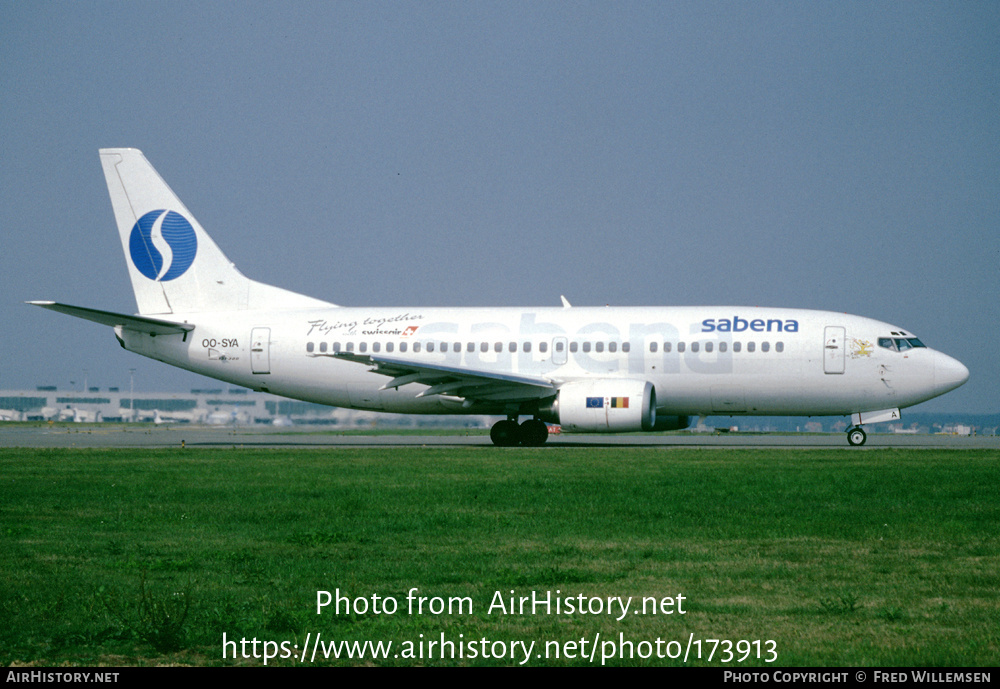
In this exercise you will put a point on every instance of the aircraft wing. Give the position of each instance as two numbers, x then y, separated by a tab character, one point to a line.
454	381
153	326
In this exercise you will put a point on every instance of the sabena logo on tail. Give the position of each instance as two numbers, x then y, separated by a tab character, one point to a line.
162	245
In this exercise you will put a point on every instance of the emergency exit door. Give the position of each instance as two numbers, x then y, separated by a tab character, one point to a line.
559	345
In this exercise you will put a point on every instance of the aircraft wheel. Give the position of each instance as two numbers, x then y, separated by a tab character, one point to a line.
534	433
856	436
505	433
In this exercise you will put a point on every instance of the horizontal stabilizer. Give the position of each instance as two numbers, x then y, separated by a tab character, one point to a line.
153	326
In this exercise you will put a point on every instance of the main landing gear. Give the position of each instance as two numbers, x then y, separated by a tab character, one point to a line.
510	433
856	436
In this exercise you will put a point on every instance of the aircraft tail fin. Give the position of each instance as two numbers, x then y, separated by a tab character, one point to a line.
174	265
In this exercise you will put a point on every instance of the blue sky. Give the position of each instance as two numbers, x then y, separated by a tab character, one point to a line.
841	156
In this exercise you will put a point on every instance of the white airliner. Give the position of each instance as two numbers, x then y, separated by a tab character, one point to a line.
596	370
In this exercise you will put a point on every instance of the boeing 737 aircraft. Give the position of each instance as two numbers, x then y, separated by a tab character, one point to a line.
591	370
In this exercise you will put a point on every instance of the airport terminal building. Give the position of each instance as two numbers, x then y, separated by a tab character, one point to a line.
204	406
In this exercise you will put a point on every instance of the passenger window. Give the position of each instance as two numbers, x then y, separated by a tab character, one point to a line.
765	346
598	346
574	346
376	346
652	346
669	347
737	346
559	346
680	346
336	346
416	347
586	346
470	347
694	346
430	347
457	348
527	347
709	346
350	346
512	347
402	346
388	346
751	346
723	346
484	347
310	346
612	347
363	347
626	347
543	347
779	347
322	346
498	347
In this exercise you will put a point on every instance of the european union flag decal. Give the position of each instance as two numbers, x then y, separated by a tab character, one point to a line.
595	402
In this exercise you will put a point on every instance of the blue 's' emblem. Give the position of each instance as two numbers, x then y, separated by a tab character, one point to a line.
175	235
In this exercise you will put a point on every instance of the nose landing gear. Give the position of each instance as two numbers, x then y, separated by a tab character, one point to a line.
856	436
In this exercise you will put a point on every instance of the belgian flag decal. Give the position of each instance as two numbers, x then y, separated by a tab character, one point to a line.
619	402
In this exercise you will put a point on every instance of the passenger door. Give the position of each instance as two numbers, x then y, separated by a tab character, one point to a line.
260	350
834	349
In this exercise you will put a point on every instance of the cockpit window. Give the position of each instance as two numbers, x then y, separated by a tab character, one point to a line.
900	344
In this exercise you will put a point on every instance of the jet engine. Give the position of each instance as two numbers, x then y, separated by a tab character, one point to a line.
604	405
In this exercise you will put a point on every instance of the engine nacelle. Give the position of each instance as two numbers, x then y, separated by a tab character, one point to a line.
605	405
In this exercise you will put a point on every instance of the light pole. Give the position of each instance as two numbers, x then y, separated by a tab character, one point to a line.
131	395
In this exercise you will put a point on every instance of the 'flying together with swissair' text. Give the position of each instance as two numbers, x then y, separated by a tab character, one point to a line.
591	370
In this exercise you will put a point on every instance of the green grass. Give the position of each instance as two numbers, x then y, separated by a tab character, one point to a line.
881	557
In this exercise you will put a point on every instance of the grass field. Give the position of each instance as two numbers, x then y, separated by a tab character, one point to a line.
877	557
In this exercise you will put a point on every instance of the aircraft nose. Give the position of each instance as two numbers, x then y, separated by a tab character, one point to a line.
948	373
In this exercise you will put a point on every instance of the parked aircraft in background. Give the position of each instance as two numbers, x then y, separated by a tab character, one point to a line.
591	370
